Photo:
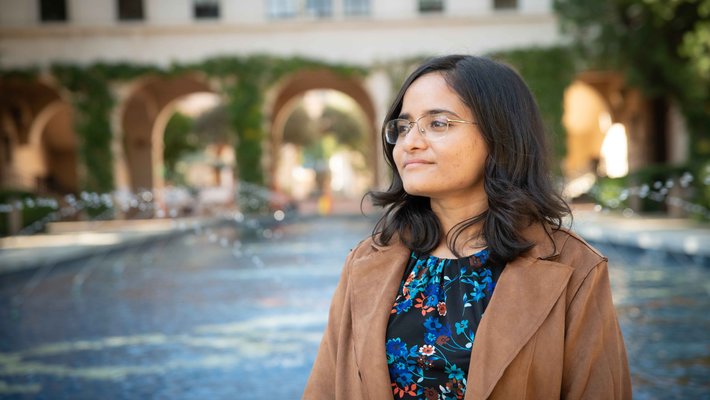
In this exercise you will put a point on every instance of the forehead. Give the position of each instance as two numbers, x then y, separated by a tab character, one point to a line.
431	92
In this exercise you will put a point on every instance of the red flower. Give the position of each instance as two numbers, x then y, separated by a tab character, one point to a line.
441	307
442	340
427	350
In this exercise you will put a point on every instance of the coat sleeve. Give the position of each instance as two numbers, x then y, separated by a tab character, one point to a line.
595	363
325	382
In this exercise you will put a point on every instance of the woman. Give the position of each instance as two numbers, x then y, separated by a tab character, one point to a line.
471	225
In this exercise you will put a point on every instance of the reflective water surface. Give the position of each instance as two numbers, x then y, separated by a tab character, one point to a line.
223	315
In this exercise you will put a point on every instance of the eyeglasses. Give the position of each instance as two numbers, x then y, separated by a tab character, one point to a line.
433	127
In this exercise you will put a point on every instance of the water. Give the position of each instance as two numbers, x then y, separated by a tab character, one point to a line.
221	315
662	302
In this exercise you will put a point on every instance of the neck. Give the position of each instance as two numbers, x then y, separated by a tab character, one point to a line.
451	212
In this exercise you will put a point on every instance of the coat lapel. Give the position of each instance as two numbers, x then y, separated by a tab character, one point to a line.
375	280
525	293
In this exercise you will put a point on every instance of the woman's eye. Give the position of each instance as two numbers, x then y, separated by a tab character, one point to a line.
439	123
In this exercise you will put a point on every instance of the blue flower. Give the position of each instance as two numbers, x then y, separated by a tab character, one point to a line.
430	338
403	306
396	348
400	367
461	327
477	292
432	324
404	379
432	300
454	372
444	331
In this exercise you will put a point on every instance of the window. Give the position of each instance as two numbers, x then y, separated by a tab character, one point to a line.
300	8
206	9
319	8
130	10
505	4
429	6
357	7
282	8
52	10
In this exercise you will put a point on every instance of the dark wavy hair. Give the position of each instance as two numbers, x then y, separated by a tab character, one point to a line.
516	176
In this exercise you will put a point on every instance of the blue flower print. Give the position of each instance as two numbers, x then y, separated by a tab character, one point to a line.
403	306
431	330
461	327
396	348
454	372
432	324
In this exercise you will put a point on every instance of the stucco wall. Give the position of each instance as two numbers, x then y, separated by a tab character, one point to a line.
169	32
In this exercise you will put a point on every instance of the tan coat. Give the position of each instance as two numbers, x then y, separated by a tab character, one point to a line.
550	330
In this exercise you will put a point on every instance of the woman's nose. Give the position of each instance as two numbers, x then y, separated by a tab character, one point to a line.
414	139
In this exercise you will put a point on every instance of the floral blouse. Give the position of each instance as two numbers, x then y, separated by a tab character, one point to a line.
433	324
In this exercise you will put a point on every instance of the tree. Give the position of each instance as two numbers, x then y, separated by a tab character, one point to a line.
177	142
663	46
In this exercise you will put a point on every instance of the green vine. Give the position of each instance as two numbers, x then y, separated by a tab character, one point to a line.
92	104
252	76
548	72
244	82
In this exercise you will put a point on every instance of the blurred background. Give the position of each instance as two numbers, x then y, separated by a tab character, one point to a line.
181	180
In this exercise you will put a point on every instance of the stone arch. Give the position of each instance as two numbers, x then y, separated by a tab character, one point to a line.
627	106
37	138
298	83
587	117
142	115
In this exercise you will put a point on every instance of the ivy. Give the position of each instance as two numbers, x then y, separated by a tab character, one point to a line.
92	102
245	80
548	72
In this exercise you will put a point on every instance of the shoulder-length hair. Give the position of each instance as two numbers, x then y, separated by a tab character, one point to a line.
516	176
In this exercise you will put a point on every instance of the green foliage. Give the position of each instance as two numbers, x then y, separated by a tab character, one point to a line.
648	189
243	80
300	129
177	143
93	103
346	127
213	126
252	76
22	74
663	46
31	211
548	72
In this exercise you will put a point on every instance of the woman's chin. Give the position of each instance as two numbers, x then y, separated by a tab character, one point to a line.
417	191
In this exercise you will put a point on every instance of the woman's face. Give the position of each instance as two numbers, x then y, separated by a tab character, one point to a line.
447	168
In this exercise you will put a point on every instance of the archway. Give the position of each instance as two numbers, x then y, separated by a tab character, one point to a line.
143	116
596	140
311	91
38	145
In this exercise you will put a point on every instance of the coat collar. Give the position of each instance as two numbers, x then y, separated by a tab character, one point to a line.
525	294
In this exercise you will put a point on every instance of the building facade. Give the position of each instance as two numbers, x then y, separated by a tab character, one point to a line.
37	130
38	142
351	31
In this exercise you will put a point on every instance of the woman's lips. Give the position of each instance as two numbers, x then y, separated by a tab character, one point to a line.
415	162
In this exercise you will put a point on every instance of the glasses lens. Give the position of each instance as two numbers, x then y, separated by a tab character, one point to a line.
435	125
395	129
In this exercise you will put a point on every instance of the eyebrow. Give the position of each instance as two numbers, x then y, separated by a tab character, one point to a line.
407	116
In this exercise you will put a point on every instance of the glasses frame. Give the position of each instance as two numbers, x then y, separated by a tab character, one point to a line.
423	132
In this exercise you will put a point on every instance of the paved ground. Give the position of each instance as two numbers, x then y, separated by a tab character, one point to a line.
225	313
